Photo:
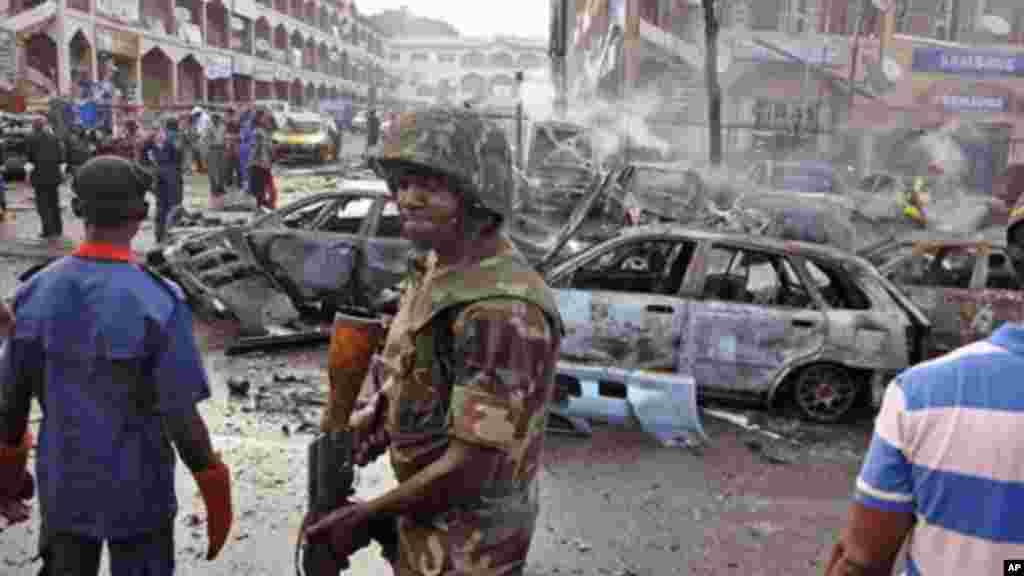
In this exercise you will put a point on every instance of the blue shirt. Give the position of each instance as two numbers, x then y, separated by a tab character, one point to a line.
948	448
108	350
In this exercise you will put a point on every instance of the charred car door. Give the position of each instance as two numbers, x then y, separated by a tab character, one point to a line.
866	327
995	296
317	261
621	306
386	251
938	278
750	321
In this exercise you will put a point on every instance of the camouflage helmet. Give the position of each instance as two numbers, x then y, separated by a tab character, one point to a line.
457	143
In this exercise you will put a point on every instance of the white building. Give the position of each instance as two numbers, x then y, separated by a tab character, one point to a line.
454	69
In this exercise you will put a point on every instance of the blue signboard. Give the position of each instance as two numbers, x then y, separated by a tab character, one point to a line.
974	103
967	62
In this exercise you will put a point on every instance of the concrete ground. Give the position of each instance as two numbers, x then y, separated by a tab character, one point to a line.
615	503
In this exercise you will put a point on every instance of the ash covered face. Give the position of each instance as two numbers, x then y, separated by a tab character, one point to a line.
430	208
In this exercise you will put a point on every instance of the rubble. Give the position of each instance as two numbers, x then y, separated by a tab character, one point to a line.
238	386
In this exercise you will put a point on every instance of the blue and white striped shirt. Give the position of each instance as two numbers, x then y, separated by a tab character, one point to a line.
949	448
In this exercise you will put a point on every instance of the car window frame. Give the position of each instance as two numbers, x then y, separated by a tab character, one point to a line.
561	277
794	261
377	216
329	202
319	227
985	269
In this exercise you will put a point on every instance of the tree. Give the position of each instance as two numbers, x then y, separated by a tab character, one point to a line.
711	79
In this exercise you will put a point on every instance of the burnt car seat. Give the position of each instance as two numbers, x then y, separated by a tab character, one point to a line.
726	287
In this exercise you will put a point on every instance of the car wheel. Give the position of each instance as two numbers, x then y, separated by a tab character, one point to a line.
825	392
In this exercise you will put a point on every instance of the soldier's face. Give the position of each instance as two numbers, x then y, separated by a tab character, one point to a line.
430	210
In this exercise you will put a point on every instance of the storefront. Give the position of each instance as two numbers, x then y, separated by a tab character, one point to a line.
219	69
282	83
928	86
117	60
242	78
264	77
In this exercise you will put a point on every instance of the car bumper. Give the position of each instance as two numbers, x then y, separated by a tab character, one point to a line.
287	153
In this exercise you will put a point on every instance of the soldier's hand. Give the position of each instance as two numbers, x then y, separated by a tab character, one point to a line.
369	438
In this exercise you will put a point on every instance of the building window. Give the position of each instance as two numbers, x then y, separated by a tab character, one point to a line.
785	116
446	58
396	57
502	60
419	57
766	14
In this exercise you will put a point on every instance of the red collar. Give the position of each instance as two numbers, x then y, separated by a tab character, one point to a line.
101	251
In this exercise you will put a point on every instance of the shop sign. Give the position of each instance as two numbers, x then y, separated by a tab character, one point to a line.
967	62
810	52
123	10
117	42
243	66
974	103
217	66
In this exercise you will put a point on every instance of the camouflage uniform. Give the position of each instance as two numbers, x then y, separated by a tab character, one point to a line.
470	355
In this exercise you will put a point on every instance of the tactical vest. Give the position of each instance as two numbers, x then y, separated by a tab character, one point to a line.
418	354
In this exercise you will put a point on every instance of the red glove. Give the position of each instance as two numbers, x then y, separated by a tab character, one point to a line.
215	488
16	483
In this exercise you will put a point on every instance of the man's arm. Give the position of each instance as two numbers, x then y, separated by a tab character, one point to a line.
882	514
500	350
20	370
181	383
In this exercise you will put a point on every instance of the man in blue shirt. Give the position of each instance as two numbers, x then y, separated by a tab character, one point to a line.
945	471
108	351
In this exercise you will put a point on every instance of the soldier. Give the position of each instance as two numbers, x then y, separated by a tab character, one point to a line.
107	349
469	362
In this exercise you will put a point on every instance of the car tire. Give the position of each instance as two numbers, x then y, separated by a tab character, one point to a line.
825	393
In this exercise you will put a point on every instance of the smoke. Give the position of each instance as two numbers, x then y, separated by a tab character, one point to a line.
613	125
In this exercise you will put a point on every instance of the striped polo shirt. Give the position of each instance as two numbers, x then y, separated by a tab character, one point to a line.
949	447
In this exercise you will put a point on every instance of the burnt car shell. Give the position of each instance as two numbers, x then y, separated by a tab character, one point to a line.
612	321
273	267
968	287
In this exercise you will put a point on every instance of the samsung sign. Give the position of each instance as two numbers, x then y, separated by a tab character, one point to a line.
974	103
956	61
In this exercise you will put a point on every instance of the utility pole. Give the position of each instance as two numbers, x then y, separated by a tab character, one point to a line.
711	79
558	49
855	55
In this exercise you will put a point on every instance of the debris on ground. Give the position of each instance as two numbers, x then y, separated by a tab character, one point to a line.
238	386
741	420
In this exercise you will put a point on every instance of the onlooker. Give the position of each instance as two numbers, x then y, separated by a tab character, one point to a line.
946	462
232	138
45	165
3	185
167	156
372	129
245	147
215	168
261	159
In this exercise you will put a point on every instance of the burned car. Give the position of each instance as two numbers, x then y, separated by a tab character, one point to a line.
967	287
748	317
328	250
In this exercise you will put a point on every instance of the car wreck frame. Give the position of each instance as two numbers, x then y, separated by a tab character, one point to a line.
772	348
